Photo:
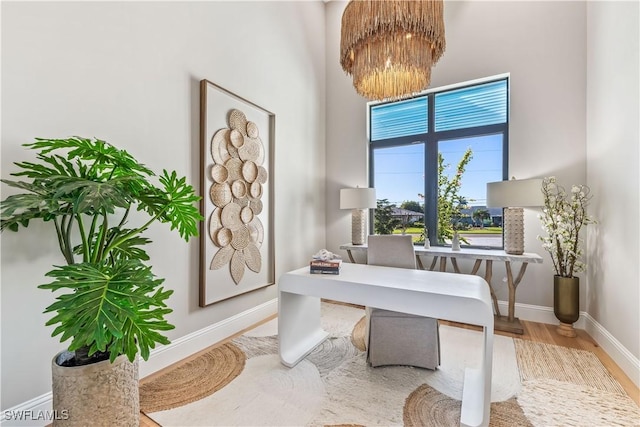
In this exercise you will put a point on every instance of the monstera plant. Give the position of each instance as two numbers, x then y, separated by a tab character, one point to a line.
100	201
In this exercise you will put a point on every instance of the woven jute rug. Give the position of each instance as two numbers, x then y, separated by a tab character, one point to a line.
426	406
580	367
569	387
244	383
193	380
357	336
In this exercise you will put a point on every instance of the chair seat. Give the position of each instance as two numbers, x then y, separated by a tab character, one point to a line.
402	339
399	338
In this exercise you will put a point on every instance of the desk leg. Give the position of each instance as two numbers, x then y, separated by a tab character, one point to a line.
476	394
299	330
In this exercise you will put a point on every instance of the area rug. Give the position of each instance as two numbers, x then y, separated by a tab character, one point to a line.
197	378
243	383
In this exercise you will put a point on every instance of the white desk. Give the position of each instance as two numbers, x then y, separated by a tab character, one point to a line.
508	323
448	296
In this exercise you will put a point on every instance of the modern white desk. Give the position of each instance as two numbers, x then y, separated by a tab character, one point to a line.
448	296
508	323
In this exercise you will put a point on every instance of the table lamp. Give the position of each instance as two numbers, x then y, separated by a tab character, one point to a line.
358	200
513	195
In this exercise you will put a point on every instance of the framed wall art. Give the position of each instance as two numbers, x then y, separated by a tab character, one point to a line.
236	181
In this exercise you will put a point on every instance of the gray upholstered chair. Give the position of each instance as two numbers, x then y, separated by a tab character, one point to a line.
395	338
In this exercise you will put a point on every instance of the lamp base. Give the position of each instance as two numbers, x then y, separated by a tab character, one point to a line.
513	227
358	221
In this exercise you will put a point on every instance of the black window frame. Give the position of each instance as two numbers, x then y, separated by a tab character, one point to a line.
430	140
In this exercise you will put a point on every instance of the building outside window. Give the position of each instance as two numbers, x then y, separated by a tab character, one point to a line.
431	157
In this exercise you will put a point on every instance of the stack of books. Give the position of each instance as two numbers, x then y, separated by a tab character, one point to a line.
318	266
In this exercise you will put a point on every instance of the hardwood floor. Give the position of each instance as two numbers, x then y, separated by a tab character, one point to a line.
147	422
543	333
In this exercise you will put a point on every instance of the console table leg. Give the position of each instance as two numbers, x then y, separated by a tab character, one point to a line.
476	266
511	323
513	285
454	262
488	273
512	292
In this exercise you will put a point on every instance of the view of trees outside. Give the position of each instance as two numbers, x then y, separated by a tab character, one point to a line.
450	202
384	223
463	171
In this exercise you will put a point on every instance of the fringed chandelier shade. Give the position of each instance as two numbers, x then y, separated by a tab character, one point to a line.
389	46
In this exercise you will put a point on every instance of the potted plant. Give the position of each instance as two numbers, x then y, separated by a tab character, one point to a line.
563	216
108	303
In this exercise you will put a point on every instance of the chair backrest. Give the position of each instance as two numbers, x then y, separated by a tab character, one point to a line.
391	251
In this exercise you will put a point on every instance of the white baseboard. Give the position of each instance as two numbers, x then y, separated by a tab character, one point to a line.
187	345
38	412
619	353
531	313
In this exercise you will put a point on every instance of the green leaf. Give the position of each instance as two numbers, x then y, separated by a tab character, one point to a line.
102	153
117	308
181	211
19	209
90	196
130	248
84	186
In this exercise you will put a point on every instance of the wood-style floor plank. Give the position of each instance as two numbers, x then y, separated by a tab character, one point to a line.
542	333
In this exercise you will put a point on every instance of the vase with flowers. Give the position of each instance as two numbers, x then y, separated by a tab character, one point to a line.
563	216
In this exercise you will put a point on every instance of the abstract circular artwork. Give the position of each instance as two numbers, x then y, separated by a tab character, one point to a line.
238	179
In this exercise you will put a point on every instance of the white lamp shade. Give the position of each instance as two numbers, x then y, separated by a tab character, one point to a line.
515	193
357	198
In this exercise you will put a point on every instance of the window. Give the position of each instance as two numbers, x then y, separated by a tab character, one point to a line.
431	157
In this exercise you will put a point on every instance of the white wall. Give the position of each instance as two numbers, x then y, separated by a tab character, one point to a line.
129	73
613	112
542	45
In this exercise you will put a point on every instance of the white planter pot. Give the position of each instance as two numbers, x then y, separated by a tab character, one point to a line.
99	394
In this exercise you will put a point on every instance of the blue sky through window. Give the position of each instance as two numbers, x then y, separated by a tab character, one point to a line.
399	171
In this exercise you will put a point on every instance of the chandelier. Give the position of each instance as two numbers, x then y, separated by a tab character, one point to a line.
389	46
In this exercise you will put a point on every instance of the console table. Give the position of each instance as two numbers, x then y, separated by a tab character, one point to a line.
448	296
508	323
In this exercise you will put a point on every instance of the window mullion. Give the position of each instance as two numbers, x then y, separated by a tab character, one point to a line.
431	176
